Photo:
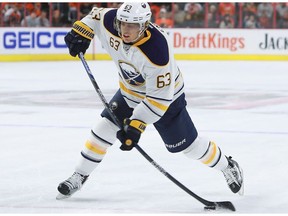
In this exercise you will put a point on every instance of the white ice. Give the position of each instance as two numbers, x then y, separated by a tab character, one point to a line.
48	108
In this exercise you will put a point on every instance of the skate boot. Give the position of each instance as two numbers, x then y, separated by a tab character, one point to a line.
71	185
234	176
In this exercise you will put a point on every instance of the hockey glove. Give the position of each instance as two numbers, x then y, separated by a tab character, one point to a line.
79	38
130	134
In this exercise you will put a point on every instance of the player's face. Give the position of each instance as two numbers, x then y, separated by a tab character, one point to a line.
130	31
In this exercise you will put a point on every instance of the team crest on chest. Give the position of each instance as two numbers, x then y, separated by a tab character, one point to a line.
131	75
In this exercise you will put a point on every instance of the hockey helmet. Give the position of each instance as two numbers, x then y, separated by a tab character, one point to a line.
134	12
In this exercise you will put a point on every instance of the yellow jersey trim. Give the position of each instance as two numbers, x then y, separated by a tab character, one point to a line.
128	91
158	105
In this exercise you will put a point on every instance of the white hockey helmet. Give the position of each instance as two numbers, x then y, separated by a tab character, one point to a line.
134	12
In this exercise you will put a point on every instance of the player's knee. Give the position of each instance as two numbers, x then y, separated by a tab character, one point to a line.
102	136
105	132
197	148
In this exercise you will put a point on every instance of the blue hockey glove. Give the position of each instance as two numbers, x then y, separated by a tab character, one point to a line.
79	38
130	134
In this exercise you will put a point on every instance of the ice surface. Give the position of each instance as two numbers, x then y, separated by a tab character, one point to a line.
48	108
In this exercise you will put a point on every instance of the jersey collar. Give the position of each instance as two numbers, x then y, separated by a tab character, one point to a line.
143	40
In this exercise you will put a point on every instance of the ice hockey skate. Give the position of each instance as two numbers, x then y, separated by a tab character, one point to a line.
234	176
68	187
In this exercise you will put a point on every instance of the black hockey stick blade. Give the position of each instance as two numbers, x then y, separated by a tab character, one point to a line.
226	205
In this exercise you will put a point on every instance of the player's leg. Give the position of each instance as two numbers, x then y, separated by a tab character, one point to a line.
102	136
180	135
211	155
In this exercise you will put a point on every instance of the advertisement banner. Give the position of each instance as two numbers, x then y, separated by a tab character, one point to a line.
230	41
32	40
20	44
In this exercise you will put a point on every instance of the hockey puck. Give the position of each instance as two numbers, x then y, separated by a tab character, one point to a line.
209	208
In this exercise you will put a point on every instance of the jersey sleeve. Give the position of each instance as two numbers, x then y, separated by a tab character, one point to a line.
96	19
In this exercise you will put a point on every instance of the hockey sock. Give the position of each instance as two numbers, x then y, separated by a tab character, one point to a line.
101	138
207	152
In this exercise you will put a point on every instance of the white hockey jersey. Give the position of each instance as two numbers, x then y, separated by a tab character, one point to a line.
149	78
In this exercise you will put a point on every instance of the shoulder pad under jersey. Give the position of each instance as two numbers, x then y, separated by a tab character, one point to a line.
156	48
109	22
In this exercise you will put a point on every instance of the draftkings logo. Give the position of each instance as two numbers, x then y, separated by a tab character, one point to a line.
130	74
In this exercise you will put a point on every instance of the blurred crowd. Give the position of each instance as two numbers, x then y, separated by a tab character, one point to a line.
167	15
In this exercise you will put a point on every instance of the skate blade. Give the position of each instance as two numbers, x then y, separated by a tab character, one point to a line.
241	191
62	197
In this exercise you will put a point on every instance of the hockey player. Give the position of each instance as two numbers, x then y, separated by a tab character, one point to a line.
151	92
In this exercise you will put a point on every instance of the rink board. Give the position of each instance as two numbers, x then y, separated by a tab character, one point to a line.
40	44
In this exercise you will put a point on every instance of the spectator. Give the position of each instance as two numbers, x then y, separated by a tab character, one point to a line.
30	20
37	9
2	12
248	10
264	21
194	17
101	4
227	8
4	7
163	19
280	8
251	22
183	14
73	11
265	9
213	16
12	16
115	4
179	15
155	8
85	8
57	20
64	12
42	20
227	22
283	22
43	6
265	13
29	7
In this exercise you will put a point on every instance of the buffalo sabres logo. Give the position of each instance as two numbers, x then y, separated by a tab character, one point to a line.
131	75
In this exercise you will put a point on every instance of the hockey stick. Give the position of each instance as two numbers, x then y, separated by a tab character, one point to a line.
209	205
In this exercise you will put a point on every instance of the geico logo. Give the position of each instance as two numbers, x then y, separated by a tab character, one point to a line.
30	39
